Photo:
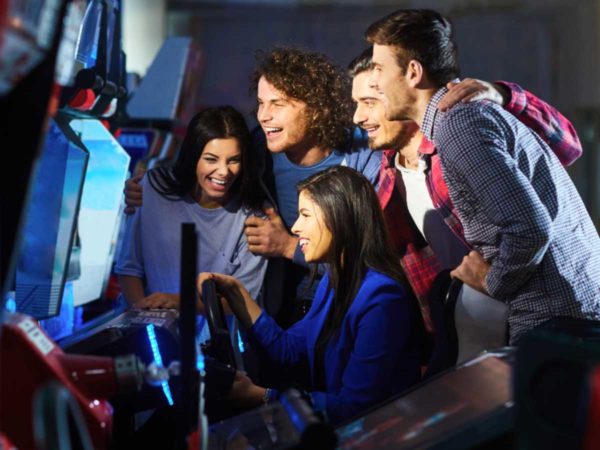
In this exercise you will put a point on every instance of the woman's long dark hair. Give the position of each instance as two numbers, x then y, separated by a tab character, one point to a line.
219	122
359	236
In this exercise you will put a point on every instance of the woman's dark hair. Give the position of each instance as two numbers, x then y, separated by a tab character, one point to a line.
359	236
219	122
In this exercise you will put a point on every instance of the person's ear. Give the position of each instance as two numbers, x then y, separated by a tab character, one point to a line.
414	73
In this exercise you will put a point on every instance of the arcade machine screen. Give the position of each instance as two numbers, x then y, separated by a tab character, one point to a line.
49	225
101	203
90	33
469	405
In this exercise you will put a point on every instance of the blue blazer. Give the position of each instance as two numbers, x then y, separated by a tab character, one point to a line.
375	356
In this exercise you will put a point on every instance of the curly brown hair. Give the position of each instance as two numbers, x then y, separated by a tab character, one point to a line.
313	79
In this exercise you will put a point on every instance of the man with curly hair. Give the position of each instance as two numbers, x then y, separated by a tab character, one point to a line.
304	112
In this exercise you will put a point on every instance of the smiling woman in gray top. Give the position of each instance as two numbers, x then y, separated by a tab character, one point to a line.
213	185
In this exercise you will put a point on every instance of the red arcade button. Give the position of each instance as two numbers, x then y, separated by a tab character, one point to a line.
83	100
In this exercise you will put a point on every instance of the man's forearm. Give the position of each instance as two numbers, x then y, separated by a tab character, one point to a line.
492	188
513	267
292	248
132	289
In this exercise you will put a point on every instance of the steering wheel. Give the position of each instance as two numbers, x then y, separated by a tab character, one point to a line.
220	346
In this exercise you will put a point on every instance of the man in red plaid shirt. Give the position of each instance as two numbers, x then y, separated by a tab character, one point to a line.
430	242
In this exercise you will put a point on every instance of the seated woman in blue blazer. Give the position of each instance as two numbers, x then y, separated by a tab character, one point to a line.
359	336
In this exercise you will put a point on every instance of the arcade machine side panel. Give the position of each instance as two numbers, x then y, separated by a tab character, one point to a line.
29	41
43	259
100	211
460	408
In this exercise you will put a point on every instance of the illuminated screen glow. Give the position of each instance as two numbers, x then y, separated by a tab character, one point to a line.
100	211
49	225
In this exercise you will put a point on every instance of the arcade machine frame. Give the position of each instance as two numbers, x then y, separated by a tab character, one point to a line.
28	356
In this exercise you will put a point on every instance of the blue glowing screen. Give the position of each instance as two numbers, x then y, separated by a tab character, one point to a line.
49	224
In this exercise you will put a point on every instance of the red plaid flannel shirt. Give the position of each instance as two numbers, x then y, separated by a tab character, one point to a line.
418	261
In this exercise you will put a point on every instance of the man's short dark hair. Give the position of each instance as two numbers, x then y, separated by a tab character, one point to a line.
420	34
313	79
362	63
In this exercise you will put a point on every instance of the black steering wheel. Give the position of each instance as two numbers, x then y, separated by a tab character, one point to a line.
220	346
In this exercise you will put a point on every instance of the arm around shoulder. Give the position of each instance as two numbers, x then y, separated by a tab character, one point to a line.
552	126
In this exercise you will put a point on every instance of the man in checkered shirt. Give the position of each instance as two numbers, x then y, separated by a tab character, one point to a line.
536	246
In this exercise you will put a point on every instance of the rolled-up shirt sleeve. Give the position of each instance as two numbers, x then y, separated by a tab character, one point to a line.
482	160
129	258
554	128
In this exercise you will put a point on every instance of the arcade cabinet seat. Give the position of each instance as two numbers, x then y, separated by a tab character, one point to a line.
442	302
466	322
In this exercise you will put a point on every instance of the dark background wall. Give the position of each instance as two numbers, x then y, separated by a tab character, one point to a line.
550	47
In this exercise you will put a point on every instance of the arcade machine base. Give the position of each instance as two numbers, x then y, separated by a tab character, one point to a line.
129	333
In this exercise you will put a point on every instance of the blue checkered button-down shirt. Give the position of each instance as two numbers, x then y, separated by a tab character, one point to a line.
520	210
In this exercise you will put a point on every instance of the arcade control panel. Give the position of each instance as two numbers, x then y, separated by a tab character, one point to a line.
128	333
152	335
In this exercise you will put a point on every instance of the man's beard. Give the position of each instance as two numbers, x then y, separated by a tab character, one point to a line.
390	143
